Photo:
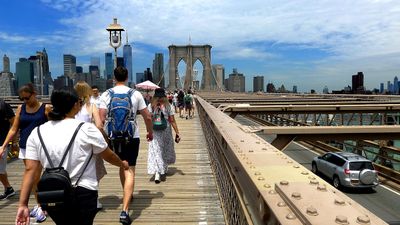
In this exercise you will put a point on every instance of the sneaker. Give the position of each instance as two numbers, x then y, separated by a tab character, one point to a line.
124	218
99	205
33	212
40	216
157	178
7	193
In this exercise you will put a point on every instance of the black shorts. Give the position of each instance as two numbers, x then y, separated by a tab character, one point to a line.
81	212
127	150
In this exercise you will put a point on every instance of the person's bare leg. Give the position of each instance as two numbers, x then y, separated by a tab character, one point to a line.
129	183
4	180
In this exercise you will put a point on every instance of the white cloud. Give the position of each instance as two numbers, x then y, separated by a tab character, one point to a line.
348	30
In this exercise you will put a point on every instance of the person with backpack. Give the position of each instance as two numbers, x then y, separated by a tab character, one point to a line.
118	107
181	103
72	152
188	99
161	149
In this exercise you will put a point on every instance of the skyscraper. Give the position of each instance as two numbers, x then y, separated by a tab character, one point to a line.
218	72
357	83
127	52
24	72
69	65
258	83
108	74
95	61
236	82
396	85
6	64
158	69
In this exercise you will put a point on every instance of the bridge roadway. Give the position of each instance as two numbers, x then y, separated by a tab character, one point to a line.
187	196
382	201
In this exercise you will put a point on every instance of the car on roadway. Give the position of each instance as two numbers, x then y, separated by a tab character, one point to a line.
346	170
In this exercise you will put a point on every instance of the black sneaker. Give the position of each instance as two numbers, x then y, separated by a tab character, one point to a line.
7	193
124	218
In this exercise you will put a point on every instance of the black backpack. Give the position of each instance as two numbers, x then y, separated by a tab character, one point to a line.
54	189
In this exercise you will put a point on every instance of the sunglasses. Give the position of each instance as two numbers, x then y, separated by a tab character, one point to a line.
24	98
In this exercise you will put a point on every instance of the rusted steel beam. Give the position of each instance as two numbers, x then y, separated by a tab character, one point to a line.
273	188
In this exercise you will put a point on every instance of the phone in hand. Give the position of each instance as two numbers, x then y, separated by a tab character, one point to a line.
177	138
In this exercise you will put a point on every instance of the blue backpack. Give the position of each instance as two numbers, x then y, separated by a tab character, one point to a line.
120	118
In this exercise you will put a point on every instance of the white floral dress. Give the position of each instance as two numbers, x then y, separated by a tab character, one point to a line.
161	149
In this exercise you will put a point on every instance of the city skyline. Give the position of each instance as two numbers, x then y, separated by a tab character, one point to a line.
308	44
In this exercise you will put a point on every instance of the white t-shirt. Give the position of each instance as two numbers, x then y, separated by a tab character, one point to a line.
84	115
56	136
95	100
136	98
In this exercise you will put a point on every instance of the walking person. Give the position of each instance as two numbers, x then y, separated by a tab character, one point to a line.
89	113
188	99
29	115
80	166
124	142
181	103
95	98
6	119
161	149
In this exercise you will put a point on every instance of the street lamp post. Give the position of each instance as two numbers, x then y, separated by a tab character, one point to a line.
115	37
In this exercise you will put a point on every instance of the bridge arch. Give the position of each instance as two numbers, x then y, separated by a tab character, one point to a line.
189	54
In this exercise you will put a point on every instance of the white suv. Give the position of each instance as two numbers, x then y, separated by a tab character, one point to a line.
346	169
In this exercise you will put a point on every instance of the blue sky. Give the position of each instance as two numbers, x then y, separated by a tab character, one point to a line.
295	42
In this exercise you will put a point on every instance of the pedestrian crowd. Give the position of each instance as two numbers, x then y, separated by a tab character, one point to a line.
66	143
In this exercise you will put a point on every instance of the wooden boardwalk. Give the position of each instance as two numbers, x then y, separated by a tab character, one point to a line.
187	196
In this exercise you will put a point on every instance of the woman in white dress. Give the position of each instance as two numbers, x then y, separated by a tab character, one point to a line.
90	113
161	149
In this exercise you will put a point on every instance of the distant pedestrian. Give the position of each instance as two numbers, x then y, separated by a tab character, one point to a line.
6	119
188	100
29	115
95	98
181	103
82	209
161	149
124	142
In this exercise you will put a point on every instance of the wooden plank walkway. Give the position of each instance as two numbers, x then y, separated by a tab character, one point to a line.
187	196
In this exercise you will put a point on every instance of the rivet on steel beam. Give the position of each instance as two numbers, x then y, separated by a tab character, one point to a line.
267	186
252	167
257	142
296	166
272	192
265	149
275	151
257	173
261	178
242	140
312	211
314	182
251	150
311	178
341	220
304	172
281	204
363	220
290	161
249	162
321	187
284	182
296	195
339	202
291	216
